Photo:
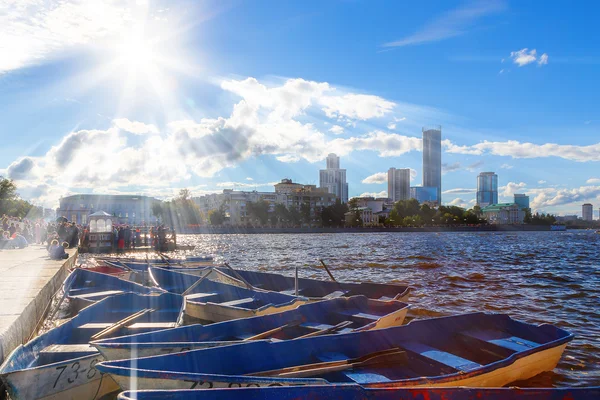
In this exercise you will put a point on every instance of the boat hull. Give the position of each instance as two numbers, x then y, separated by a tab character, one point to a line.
74	379
219	313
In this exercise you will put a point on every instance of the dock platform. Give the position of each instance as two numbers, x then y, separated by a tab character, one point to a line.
28	280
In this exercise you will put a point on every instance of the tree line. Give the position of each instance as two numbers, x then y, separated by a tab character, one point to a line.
12	205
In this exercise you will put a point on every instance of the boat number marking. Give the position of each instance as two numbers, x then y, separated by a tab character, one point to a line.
76	370
200	385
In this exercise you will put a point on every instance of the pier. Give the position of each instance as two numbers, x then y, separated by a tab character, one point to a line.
28	281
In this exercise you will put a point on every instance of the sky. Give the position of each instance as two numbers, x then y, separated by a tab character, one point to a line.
149	97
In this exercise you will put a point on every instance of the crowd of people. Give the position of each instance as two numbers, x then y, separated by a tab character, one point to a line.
19	233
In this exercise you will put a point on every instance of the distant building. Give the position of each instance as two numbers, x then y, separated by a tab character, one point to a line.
587	212
504	213
424	194
375	204
333	178
126	209
487	189
399	184
522	200
290	194
367	217
432	159
566	218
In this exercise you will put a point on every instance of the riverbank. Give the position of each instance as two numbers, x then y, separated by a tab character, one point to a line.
263	230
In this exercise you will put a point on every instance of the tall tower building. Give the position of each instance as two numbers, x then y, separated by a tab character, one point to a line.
432	159
587	212
487	189
334	179
399	184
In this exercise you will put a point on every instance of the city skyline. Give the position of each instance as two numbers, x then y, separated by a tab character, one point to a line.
155	96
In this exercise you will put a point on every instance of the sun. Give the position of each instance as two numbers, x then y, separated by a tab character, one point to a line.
137	54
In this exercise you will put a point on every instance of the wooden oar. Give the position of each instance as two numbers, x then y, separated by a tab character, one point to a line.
393	355
329	272
274	331
325	331
188	290
121	323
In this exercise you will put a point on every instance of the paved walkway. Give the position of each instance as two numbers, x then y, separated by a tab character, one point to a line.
28	280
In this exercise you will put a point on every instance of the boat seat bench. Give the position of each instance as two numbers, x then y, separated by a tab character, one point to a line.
60	352
357	376
361	317
502	339
93	295
201	296
318	326
442	357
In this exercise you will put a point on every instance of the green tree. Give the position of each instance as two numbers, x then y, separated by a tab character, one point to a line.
306	213
157	210
334	215
258	211
216	217
282	214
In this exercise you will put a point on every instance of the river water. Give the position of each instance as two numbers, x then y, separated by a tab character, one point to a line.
537	277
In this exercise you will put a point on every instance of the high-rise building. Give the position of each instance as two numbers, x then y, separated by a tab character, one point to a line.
423	194
432	159
522	200
487	189
333	178
399	184
587	212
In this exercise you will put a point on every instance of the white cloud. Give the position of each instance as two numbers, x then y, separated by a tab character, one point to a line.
391	126
451	24
383	194
379	177
593	180
242	185
450	167
336	130
459	203
249	179
554	197
506	166
356	106
511	188
474	166
459	191
137	128
516	149
525	56
288	158
541	182
32	31
399	119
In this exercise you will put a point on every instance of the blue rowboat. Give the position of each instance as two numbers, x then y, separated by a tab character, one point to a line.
208	300
354	392
60	364
316	288
83	287
341	315
477	350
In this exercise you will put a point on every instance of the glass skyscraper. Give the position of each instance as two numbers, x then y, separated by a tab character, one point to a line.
399	184
334	178
487	189
432	159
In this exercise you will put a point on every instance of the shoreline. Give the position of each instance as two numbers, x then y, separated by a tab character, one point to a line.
258	230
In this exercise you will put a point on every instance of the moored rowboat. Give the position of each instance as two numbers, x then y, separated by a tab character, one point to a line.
354	392
341	315
208	300
60	364
478	350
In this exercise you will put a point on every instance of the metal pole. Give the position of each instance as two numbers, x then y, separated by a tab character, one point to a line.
296	281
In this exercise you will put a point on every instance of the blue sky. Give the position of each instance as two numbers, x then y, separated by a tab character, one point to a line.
149	96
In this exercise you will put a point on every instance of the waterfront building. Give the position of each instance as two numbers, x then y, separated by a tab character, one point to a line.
367	217
487	189
333	178
522	200
503	213
399	184
291	195
375	204
587	212
125	209
432	159
424	194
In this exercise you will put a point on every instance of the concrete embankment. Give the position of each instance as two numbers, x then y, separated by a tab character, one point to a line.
28	280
